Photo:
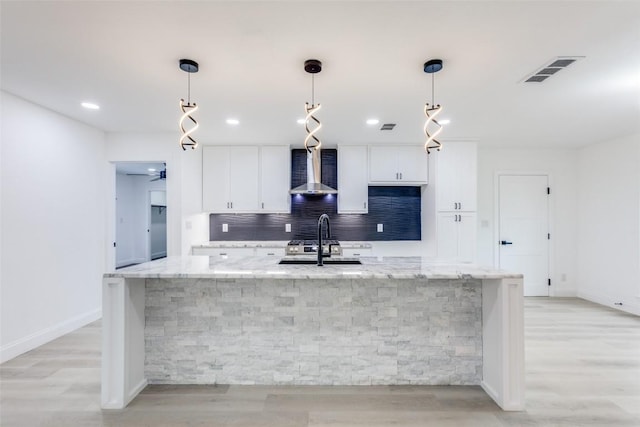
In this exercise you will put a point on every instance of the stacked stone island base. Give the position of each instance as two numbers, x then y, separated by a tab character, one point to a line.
195	320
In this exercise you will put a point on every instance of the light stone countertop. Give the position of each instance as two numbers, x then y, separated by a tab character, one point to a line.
198	266
269	244
241	244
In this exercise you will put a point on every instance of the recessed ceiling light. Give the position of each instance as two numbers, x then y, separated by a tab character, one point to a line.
444	121
151	169
373	121
233	122
90	106
301	121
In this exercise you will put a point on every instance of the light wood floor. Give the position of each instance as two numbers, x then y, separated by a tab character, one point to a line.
583	368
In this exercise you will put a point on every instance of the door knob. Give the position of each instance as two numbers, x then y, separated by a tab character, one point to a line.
504	242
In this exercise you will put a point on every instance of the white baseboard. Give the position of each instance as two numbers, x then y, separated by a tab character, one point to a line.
159	255
607	300
565	293
132	261
22	345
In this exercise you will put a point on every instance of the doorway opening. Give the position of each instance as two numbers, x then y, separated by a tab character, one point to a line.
141	212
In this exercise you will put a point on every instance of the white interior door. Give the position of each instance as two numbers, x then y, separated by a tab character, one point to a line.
523	230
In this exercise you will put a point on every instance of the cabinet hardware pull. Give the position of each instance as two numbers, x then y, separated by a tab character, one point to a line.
365	205
262	205
504	242
460	205
400	175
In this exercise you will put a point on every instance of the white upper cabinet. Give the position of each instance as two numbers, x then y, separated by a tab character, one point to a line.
456	182
245	179
275	179
353	191
398	165
215	179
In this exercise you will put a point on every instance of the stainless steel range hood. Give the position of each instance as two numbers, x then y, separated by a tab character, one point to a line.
313	185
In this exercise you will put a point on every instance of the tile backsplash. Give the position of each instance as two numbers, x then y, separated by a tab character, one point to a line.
397	208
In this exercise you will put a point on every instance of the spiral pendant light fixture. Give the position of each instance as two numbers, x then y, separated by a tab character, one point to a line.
188	108
431	126
311	141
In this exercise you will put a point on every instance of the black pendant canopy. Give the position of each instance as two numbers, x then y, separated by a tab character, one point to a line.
188	65
312	66
433	66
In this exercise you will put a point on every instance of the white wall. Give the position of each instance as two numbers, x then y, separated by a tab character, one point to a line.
608	244
52	233
132	217
125	222
561	165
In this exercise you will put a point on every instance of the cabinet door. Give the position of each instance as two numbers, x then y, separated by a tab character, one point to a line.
243	179
447	236
413	164
353	191
447	178
466	237
467	162
270	252
457	176
215	179
383	164
356	252
275	167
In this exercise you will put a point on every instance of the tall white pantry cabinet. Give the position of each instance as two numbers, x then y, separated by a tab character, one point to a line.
456	201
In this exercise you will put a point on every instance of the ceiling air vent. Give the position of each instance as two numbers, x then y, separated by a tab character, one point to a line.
551	68
388	126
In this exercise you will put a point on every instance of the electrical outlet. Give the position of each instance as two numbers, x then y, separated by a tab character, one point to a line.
188	225
563	277
225	228
287	228
380	228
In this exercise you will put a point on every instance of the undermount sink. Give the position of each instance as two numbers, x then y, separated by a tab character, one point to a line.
328	261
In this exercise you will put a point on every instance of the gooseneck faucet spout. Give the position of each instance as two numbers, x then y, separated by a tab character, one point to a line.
324	218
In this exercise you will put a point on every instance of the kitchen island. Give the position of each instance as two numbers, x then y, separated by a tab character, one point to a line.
400	320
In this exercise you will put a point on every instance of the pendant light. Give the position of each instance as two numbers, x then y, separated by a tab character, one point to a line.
311	141
186	140
431	127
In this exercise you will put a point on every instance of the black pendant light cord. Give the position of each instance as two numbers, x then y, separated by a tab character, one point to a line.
433	90
189	89
313	90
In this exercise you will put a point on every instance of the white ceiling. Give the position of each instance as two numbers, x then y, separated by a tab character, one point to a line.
124	56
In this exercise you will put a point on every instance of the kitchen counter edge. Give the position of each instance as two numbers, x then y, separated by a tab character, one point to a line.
204	267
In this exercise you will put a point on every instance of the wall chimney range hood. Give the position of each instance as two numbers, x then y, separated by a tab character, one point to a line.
313	185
